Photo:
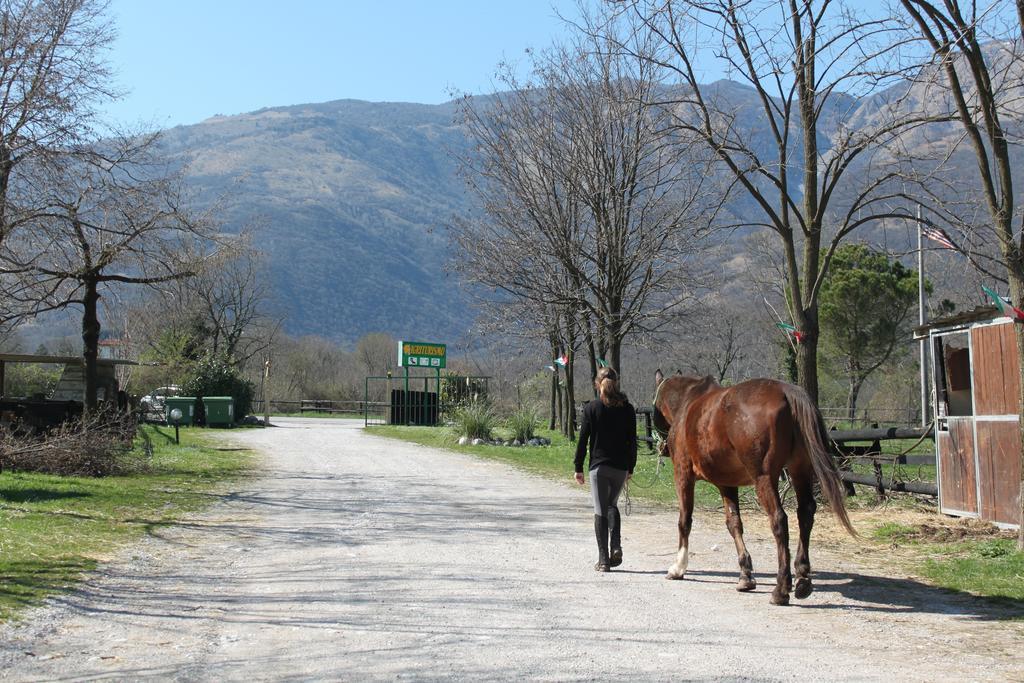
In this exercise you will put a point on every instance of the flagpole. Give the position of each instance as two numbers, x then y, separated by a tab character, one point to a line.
921	321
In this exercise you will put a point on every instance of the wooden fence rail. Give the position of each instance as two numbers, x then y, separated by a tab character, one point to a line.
842	439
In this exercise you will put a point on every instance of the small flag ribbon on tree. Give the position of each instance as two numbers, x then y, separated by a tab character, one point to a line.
549	367
938	235
602	363
789	329
562	360
1005	307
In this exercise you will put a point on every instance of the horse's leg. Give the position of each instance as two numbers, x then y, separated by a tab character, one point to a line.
768	495
803	484
733	522
684	491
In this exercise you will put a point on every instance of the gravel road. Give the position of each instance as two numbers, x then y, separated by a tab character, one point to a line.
359	558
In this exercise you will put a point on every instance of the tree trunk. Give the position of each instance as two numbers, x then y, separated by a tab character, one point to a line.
593	366
851	397
554	382
615	355
570	397
558	401
554	394
807	362
90	343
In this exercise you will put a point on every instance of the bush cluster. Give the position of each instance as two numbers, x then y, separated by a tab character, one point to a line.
523	423
215	376
94	446
477	420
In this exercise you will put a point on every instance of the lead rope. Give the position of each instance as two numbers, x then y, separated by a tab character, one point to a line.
628	504
659	448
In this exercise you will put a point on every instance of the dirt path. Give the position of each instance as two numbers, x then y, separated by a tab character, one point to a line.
358	558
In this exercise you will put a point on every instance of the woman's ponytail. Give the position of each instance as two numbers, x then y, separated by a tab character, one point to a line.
607	384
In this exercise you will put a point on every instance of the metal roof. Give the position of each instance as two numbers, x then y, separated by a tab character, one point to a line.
961	319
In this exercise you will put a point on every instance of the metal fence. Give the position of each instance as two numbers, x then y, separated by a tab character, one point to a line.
311	406
421	400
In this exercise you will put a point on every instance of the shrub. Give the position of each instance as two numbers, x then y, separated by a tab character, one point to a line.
87	447
523	423
214	376
475	420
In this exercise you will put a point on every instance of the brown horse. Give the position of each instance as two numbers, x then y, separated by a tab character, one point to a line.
744	435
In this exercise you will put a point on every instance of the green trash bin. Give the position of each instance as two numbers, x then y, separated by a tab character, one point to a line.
220	410
187	406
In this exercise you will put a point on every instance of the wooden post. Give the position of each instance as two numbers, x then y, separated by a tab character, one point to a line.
3	383
266	391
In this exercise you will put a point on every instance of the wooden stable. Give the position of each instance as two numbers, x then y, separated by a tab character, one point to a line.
975	393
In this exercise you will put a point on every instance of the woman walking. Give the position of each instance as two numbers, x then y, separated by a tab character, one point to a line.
609	429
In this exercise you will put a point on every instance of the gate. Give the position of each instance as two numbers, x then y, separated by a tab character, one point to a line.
426	400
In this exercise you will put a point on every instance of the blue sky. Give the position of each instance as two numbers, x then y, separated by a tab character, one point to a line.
182	61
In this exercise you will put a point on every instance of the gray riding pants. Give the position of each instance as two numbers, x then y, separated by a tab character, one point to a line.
605	486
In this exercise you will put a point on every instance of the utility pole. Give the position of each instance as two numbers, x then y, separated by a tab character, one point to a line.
266	390
922	319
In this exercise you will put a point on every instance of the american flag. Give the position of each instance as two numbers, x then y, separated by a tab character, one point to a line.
937	235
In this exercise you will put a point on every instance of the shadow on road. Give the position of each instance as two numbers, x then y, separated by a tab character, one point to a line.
868	593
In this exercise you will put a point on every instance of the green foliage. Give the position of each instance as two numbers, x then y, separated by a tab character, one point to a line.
457	390
864	312
523	423
175	351
215	376
475	420
31	379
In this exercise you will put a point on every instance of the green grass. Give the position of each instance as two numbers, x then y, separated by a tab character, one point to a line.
983	563
52	528
556	461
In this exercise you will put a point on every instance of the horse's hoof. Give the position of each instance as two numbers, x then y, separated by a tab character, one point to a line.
615	559
746	583
779	599
601	566
803	588
672	575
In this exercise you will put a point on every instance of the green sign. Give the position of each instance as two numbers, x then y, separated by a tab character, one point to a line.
421	355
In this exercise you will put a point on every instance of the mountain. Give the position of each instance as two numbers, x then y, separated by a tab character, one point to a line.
352	199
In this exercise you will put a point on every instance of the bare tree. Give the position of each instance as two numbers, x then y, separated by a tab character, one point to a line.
113	218
377	352
591	213
230	294
807	173
52	77
976	49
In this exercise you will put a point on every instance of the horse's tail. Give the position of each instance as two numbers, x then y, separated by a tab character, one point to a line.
812	429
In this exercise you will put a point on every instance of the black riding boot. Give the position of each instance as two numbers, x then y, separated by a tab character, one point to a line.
601	531
615	531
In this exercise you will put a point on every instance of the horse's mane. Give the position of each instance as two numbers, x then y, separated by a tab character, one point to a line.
675	393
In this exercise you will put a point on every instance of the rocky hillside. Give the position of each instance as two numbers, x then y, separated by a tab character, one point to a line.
354	198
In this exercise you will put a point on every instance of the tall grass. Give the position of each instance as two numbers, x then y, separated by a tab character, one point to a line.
523	424
475	420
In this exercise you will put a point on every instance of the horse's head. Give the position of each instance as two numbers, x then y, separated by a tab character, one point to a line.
673	395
